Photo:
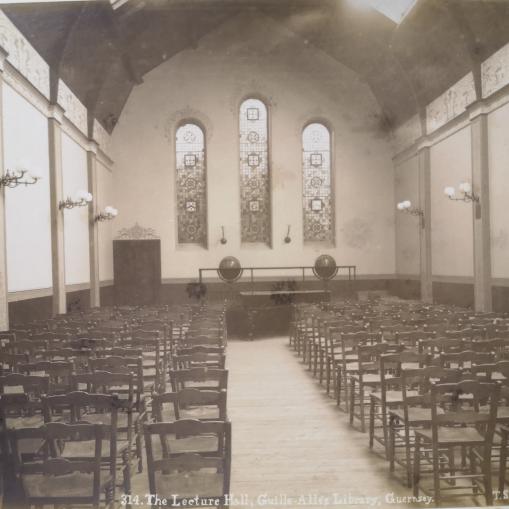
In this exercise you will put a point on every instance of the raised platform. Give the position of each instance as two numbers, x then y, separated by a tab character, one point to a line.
270	311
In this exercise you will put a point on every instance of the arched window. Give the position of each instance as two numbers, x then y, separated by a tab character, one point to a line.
191	185
254	172
317	195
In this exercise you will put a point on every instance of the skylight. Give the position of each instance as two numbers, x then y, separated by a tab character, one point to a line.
395	10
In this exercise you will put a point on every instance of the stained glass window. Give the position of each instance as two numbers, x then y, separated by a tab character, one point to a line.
191	185
318	203
254	172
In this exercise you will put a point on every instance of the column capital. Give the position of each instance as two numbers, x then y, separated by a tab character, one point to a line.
476	109
3	57
423	142
56	112
92	146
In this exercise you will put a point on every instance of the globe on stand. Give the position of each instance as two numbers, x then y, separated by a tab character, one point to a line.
325	267
229	269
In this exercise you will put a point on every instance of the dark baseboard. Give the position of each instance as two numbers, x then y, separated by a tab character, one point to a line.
500	298
28	310
40	308
456	294
406	288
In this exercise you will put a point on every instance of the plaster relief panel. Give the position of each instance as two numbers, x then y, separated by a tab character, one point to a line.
451	103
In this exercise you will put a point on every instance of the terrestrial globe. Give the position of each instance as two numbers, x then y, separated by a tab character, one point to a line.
229	269
325	267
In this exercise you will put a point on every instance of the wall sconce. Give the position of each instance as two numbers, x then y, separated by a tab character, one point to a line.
107	214
406	206
288	239
223	238
19	176
466	189
83	198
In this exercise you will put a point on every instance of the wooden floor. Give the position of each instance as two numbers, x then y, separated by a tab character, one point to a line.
289	439
291	444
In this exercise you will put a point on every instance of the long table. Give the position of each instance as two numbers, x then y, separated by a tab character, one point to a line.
270	310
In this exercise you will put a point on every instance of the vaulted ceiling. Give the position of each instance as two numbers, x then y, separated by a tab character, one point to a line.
102	52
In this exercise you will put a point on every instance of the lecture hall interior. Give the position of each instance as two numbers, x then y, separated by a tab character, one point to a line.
254	253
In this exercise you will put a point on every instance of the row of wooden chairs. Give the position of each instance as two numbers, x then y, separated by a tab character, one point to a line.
68	391
413	373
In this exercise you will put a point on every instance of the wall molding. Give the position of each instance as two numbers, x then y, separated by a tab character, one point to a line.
298	277
500	281
37	293
490	104
469	280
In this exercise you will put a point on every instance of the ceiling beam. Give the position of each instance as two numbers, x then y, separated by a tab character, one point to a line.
120	42
470	42
55	62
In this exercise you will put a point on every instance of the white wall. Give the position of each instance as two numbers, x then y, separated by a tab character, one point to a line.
28	223
301	84
498	132
451	222
74	172
105	198
406	182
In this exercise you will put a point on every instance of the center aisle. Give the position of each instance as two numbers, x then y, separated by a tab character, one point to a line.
291	442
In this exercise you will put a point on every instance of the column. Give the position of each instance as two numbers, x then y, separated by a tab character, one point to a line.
93	227
57	217
4	305
481	208
425	226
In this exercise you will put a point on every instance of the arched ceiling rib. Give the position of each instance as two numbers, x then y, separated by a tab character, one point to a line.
101	52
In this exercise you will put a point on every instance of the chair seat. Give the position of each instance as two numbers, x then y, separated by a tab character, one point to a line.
502	412
369	378
85	449
454	436
76	484
190	484
122	419
416	415
392	396
195	412
29	421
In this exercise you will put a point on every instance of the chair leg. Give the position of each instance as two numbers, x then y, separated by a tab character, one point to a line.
408	456
417	467
392	444
488	489
338	386
436	476
371	422
352	401
502	466
362	407
327	375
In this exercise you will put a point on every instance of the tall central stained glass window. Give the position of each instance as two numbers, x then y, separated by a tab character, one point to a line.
191	185
254	172
318	200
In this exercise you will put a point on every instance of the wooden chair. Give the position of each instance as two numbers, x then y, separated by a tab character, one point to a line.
100	409
199	378
414	411
389	395
364	380
349	361
188	470
190	404
199	359
60	481
123	364
460	426
9	362
59	373
131	404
